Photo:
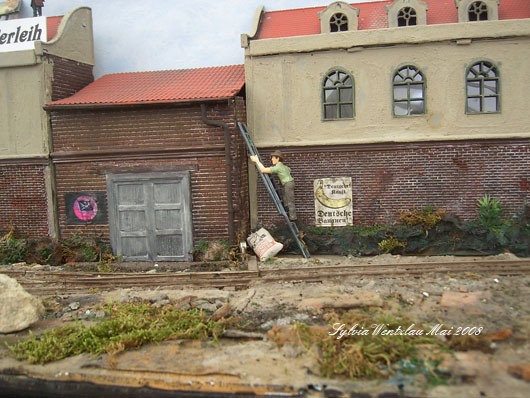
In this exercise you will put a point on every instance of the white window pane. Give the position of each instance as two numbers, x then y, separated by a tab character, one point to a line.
490	104
346	111
416	91
473	88
346	95
416	108
330	111
473	105
331	95
400	92
400	109
490	87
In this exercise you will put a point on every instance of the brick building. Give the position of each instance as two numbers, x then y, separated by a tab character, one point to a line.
56	63
417	103
161	151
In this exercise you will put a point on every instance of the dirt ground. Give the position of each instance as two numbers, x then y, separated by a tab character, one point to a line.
494	306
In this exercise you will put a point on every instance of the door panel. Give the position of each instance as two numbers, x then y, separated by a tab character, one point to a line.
150	216
166	246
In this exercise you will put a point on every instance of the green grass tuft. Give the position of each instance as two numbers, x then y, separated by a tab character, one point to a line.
127	325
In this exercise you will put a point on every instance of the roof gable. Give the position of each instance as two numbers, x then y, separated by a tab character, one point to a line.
167	86
305	21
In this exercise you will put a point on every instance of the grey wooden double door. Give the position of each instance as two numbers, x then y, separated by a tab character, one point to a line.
150	216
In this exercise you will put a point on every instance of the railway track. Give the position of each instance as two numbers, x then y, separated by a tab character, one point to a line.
59	282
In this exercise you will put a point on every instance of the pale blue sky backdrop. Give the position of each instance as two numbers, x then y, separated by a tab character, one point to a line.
142	35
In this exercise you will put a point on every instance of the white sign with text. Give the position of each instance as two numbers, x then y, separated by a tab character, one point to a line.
333	202
21	34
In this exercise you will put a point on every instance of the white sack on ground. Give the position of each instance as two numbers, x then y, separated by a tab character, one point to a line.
263	244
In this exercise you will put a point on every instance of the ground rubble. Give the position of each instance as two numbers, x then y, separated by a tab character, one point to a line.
263	357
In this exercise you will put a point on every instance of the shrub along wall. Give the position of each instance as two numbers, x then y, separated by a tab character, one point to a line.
450	235
425	232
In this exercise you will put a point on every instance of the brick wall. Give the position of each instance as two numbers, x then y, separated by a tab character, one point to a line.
23	201
392	177
92	143
240	171
68	77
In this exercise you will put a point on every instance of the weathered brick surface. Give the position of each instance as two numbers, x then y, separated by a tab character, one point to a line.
23	202
68	76
392	177
151	139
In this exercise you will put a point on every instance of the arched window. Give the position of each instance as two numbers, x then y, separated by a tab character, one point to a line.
339	16
407	17
406	13
482	88
338	23
408	91
337	95
477	11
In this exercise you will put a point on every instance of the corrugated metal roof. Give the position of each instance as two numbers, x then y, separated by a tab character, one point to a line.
166	86
304	21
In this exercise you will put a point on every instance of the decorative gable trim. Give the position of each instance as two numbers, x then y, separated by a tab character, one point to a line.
464	7
400	9
336	14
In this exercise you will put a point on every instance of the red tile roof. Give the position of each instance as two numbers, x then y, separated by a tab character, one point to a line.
52	26
167	86
304	21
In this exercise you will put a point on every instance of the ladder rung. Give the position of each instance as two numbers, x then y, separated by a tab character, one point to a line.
272	190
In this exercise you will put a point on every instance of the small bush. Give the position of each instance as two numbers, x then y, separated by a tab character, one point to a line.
390	244
489	212
44	251
215	250
81	248
12	250
426	217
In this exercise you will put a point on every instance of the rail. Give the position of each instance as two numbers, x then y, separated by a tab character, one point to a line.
40	282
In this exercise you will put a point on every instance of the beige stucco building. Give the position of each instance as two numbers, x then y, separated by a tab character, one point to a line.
314	89
55	67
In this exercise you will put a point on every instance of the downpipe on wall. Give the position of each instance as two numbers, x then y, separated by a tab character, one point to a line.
228	163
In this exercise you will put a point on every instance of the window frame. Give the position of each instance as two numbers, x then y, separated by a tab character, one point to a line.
483	4
323	90
333	21
402	9
482	95
393	10
464	5
351	13
409	99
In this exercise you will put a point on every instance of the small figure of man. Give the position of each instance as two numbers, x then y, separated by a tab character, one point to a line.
37	7
284	174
